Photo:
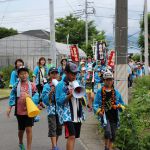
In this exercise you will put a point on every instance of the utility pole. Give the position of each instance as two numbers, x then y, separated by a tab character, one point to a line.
86	23
146	37
121	48
89	10
52	32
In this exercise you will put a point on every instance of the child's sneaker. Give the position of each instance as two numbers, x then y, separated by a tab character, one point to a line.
21	147
56	148
90	109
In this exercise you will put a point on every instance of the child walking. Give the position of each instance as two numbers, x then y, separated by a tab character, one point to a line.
89	85
72	113
22	89
48	97
107	104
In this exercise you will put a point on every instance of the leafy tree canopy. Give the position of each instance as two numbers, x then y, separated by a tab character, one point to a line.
4	32
75	28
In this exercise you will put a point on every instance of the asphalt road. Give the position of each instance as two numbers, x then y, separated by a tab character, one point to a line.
8	133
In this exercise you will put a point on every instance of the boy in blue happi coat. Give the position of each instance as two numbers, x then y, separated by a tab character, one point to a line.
98	80
107	103
48	97
82	77
72	114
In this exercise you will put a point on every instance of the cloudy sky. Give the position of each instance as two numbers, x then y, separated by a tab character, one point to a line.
34	14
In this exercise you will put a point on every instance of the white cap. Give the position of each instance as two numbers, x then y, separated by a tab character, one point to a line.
82	62
108	75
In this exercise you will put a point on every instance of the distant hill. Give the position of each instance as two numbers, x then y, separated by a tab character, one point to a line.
132	43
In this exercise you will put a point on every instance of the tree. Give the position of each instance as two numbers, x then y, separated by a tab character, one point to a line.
136	57
75	27
141	35
4	32
88	49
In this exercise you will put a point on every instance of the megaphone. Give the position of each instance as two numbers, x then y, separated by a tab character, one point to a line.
78	91
54	82
32	109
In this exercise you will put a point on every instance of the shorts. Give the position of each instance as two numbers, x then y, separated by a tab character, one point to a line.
72	129
24	121
110	131
55	128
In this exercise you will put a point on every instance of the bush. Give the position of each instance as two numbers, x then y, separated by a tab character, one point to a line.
6	71
134	132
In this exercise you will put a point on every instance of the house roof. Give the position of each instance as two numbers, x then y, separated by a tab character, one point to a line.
61	48
64	49
42	34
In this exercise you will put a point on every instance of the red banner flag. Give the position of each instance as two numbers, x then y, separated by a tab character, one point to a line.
74	53
111	59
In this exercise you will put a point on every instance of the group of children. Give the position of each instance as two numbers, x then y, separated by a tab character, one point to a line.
63	108
135	70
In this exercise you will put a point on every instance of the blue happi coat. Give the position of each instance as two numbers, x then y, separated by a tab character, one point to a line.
61	71
97	82
36	73
13	78
97	104
13	95
81	79
64	112
52	109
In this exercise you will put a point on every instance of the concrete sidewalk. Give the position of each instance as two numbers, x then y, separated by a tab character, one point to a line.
90	137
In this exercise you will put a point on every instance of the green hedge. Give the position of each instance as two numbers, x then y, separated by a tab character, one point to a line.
6	71
134	132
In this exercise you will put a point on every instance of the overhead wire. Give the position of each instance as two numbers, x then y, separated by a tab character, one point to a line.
4	13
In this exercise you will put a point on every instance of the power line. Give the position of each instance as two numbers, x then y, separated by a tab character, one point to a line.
112	17
133	34
28	17
4	13
3	1
114	9
70	5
